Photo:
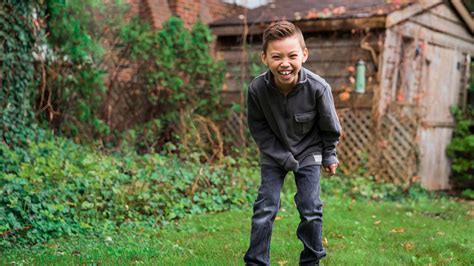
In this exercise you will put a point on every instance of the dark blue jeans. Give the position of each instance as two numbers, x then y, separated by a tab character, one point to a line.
266	206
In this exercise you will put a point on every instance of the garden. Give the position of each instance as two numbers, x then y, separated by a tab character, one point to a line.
112	153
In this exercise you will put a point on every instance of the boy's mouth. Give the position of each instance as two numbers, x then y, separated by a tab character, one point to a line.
285	72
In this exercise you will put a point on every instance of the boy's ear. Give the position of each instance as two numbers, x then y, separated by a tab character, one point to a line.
305	54
263	56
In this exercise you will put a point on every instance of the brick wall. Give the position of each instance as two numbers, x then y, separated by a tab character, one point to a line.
126	102
158	11
207	10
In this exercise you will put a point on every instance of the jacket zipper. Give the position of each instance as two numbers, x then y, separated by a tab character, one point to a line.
285	107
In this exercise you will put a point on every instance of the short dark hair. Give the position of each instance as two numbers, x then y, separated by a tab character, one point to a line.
281	30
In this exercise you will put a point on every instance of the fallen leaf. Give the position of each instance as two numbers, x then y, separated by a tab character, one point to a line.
377	222
278	218
282	262
373	216
349	207
409	246
397	230
470	213
325	241
440	233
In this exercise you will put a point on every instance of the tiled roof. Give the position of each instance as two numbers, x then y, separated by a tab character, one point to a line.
302	10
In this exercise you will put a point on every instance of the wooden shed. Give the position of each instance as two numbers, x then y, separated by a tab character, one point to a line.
417	56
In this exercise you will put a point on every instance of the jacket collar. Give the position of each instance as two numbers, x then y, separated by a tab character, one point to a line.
302	80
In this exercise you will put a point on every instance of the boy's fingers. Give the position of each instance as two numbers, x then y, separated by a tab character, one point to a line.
327	169
331	169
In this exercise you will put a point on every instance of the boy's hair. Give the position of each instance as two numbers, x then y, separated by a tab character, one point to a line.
281	30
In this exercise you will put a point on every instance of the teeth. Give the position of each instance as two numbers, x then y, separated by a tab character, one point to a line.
285	72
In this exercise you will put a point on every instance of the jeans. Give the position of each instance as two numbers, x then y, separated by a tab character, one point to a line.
266	206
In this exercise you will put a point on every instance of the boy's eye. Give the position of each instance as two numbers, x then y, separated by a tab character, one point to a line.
275	57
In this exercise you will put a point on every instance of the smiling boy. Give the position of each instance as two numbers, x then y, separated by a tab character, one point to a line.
291	116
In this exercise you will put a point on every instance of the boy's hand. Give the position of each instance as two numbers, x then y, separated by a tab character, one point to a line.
331	169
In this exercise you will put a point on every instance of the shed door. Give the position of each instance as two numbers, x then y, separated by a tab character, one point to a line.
441	82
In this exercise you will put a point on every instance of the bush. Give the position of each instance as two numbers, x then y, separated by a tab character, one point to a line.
461	148
60	188
367	188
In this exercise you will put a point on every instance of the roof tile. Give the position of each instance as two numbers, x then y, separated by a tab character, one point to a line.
315	10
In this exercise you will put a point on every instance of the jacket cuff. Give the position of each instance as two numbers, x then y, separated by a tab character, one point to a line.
330	160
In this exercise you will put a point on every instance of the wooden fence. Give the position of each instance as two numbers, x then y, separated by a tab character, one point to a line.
387	151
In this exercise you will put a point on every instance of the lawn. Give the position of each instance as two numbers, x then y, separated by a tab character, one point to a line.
356	232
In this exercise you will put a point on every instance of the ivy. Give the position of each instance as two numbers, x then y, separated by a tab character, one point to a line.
16	73
61	188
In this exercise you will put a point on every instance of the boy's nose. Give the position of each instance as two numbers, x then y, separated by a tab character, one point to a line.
285	64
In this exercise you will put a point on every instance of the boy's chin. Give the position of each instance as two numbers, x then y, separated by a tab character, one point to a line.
286	82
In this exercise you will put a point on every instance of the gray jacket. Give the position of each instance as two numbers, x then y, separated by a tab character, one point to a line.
298	130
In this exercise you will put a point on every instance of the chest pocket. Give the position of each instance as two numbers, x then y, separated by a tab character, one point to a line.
304	122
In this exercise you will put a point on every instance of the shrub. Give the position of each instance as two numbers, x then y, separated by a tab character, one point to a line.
60	188
461	148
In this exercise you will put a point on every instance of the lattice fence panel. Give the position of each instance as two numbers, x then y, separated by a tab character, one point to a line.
357	135
396	156
390	153
231	128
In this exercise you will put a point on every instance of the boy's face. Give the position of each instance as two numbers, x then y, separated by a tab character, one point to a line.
284	58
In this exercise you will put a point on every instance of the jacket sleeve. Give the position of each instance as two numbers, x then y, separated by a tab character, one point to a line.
266	140
330	128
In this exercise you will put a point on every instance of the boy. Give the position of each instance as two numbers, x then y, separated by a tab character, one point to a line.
292	118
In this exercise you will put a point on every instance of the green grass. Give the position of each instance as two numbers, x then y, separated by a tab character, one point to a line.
424	232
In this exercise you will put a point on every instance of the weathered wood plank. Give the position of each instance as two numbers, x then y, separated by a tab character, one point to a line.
434	164
389	68
307	26
337	42
315	54
315	41
437	23
464	13
339	55
399	16
446	13
428	35
322	68
332	69
440	92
